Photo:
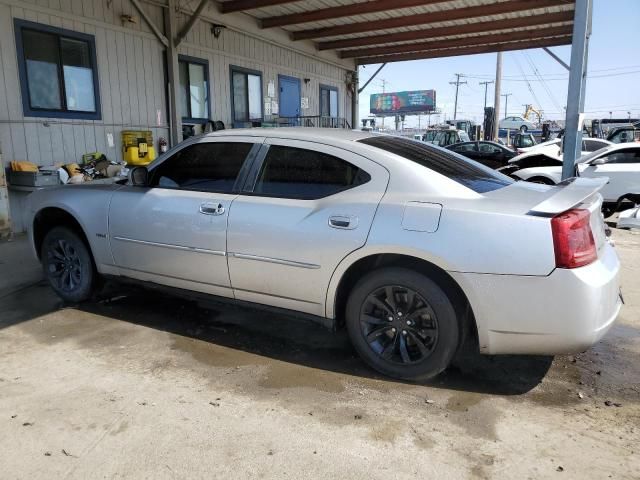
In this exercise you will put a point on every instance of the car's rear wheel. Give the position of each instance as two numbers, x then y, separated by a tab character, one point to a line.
67	265
402	324
523	128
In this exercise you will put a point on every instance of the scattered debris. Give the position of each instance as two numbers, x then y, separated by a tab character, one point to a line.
311	413
142	403
599	372
560	469
429	401
270	452
67	454
215	404
14	416
609	403
47	454
358	417
580	395
27	424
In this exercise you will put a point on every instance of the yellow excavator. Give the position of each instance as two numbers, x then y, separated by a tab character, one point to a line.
529	110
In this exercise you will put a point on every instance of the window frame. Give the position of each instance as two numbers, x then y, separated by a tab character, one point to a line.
246	71
328	88
196	61
251	179
28	111
241	178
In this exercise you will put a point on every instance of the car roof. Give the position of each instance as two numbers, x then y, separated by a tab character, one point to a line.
296	133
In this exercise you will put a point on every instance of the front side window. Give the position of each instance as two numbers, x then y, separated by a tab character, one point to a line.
623	156
289	172
202	167
471	174
465	147
246	91
194	88
57	72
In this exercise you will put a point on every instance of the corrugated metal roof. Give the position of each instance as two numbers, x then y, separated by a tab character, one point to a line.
369	27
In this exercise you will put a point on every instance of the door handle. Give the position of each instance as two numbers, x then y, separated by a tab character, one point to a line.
208	208
344	222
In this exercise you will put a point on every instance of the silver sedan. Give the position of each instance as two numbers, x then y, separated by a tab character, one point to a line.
417	251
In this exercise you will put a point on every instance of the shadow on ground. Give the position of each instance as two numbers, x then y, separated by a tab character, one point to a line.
273	335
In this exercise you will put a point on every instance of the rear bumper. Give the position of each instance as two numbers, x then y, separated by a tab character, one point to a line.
565	312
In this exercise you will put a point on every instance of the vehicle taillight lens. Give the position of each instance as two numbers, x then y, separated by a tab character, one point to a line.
573	239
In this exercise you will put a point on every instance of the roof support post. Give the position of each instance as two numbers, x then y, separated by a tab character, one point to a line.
354	98
152	25
173	74
556	58
572	145
192	20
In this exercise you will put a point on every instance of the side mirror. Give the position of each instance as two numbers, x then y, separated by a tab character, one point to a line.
139	176
598	161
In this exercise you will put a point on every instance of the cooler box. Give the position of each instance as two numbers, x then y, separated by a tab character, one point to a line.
43	178
137	147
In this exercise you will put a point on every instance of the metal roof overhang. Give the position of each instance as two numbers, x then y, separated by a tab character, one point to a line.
382	31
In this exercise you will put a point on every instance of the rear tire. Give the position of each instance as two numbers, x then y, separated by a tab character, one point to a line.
67	264
402	324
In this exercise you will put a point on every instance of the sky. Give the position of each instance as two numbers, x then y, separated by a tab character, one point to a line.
613	82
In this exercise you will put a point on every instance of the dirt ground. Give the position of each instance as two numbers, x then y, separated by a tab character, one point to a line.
140	385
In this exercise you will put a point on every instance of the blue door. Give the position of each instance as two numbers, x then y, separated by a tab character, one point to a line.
289	96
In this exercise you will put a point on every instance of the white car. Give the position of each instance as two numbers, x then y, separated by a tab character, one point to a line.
411	247
516	123
553	148
620	163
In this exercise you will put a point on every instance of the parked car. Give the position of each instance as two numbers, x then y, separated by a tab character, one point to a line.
491	154
404	243
619	163
516	123
549	153
625	134
447	136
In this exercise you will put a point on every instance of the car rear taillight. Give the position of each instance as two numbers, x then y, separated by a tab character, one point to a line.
573	239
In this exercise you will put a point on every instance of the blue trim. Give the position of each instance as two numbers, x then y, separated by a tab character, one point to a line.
205	63
232	69
28	111
291	79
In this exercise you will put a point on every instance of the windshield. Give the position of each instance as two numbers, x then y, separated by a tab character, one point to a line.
471	174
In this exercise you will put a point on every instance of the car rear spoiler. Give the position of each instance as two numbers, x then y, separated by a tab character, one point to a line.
567	194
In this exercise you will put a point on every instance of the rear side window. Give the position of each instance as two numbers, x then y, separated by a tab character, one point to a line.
305	174
203	167
471	174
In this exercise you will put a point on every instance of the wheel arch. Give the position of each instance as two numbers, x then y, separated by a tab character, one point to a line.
347	275
53	216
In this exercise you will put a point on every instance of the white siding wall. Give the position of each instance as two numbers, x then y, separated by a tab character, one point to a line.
131	75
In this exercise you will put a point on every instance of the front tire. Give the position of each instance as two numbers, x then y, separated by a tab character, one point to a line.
402	324
67	265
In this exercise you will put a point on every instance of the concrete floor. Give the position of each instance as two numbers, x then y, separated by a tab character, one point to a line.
145	386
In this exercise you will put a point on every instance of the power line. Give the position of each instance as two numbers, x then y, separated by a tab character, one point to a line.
457	83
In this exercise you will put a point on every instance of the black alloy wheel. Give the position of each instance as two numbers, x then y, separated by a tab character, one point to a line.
399	324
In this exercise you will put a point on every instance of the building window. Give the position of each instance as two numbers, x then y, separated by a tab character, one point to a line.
328	101
57	72
194	88
246	95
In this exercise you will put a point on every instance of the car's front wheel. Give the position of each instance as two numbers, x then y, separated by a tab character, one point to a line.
402	324
67	265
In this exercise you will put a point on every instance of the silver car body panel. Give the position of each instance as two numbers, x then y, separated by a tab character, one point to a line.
285	252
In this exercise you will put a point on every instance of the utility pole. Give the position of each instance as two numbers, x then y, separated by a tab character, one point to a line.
457	83
486	84
496	97
384	83
506	103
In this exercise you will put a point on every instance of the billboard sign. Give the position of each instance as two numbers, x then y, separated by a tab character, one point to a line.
402	102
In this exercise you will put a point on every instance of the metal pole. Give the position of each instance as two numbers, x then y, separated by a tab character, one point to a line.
486	84
371	78
355	99
572	145
496	96
173	75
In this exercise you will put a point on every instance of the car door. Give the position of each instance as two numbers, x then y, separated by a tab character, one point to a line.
305	207
623	169
173	231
